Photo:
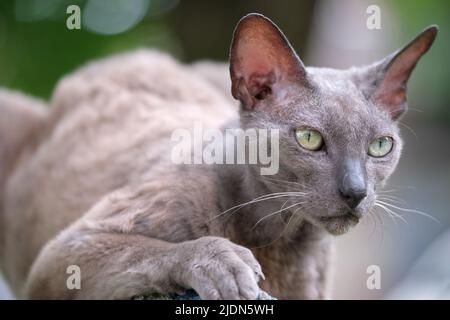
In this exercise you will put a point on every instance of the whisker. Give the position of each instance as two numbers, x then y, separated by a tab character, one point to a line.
265	197
379	217
390	212
273	213
370	221
395	189
282	206
410	129
281	234
387	191
269	196
279	180
411	211
392	198
375	221
283	182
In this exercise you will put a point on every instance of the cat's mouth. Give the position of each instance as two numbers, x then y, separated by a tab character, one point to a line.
340	224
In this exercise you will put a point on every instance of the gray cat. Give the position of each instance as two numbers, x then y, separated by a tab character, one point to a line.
90	182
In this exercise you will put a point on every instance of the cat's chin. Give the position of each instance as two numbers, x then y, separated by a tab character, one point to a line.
338	225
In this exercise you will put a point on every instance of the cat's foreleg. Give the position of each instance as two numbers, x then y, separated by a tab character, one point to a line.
116	265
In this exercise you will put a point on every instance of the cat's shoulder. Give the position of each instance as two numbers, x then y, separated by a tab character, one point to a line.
128	70
142	72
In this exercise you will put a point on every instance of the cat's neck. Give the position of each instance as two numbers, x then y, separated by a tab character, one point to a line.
282	247
256	221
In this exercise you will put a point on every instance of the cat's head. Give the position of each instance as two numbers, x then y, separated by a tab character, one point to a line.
339	135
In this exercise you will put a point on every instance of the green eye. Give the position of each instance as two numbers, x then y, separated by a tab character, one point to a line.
380	147
309	139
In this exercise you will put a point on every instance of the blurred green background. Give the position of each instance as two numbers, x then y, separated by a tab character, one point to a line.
37	49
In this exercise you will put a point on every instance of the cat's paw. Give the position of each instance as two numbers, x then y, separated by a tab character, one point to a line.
218	269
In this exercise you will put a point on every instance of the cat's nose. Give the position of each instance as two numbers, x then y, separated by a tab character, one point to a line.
353	197
352	182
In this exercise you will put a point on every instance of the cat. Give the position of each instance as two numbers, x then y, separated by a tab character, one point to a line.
90	182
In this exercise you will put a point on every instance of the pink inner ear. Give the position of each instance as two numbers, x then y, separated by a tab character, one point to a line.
394	99
256	65
392	91
255	57
260	57
257	68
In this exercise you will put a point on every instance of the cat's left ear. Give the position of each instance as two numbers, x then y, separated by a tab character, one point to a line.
385	81
262	62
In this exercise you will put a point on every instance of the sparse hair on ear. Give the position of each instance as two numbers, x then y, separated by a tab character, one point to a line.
386	80
261	61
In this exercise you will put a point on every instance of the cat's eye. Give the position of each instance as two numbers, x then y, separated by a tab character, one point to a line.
309	139
381	147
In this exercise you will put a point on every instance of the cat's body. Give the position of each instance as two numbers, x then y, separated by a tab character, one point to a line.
98	189
126	152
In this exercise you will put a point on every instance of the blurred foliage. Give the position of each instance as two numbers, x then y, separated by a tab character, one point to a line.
35	54
36	48
433	81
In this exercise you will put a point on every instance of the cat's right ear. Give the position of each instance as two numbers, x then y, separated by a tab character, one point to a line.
262	62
